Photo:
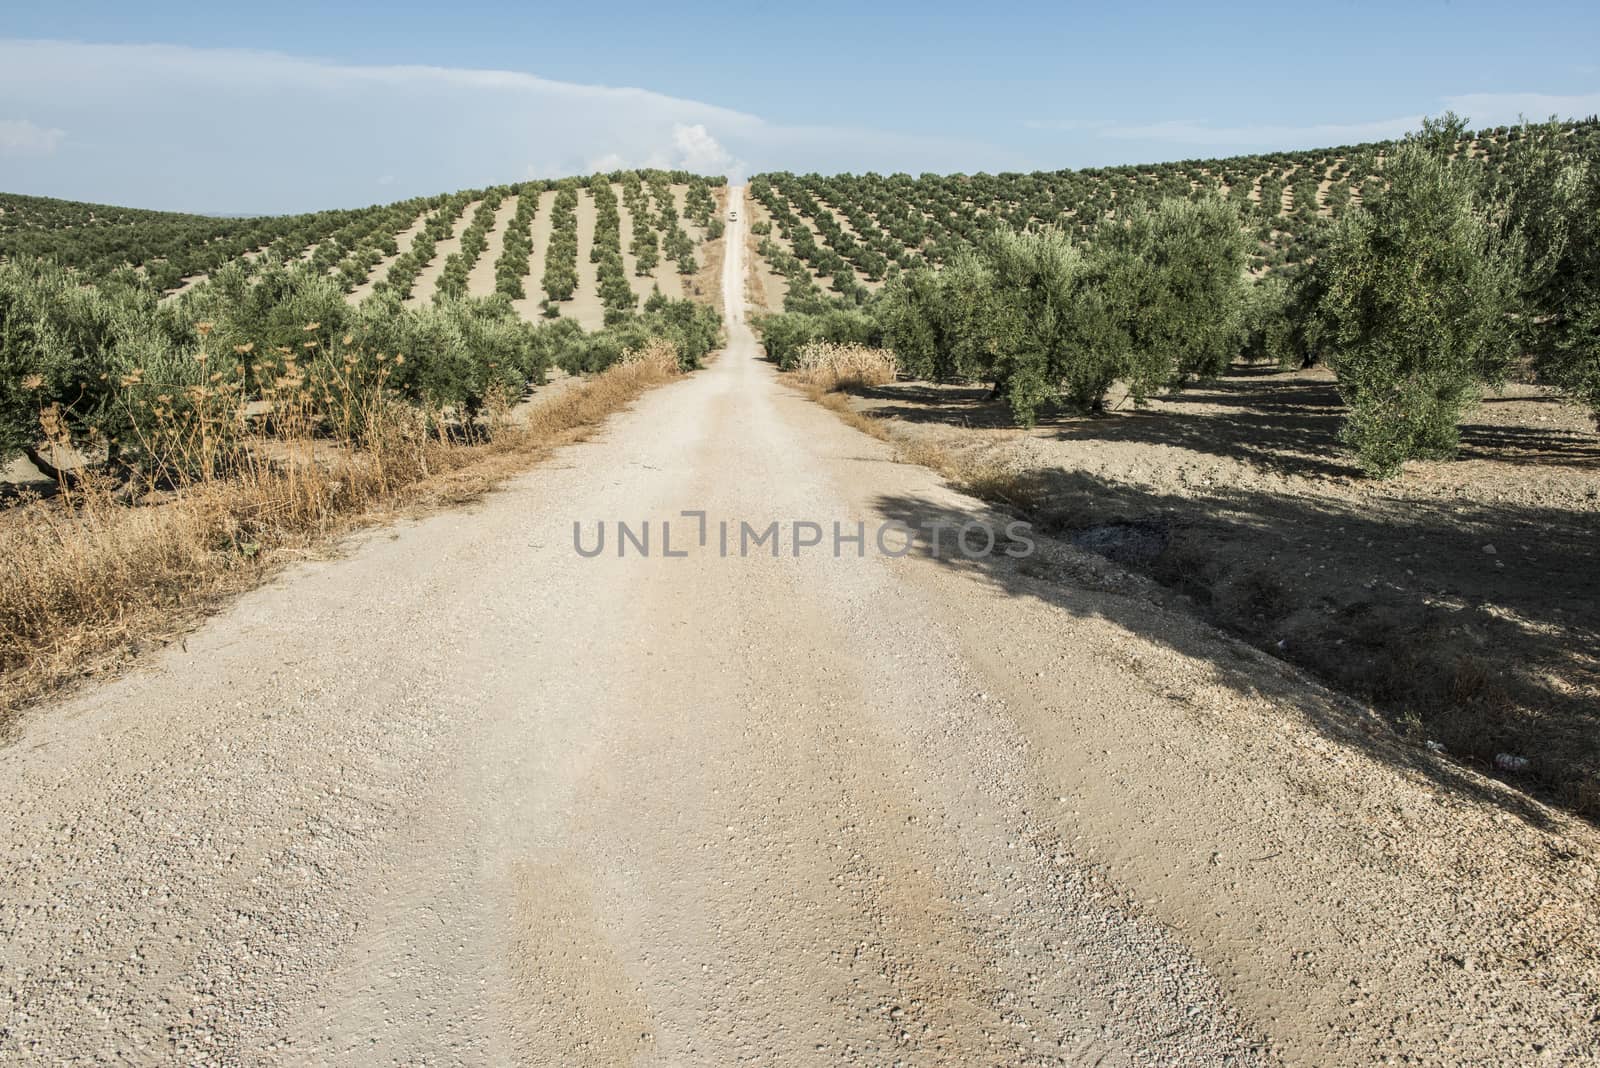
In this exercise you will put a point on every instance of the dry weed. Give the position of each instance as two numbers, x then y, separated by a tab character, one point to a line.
836	366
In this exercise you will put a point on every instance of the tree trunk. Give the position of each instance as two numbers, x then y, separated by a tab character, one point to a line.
61	476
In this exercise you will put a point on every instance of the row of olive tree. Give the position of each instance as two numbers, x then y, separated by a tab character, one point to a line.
108	371
561	254
1453	272
1442	282
516	252
454	278
1154	301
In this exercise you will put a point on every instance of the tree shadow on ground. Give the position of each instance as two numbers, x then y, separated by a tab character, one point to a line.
1284	423
1404	610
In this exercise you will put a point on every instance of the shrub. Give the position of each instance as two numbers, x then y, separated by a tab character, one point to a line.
930	320
1268	329
269	312
458	353
692	329
784	335
64	349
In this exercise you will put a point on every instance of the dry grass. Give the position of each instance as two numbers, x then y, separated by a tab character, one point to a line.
657	354
839	404
90	578
834	366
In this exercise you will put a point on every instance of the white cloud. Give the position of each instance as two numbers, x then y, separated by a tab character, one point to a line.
611	161
19	137
279	132
692	148
1503	109
1068	124
1481	109
698	151
1197	132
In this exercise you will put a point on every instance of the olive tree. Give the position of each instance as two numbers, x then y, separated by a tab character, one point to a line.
1027	319
1550	190
64	348
1175	275
1419	287
932	320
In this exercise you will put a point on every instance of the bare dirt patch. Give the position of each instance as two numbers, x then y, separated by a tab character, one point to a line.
585	305
706	285
403	240
767	288
428	278
1463	598
533	283
481	278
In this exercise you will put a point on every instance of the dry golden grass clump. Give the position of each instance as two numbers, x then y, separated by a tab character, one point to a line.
832	365
658	353
238	487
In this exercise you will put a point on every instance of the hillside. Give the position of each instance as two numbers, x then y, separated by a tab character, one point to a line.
843	235
471	242
458	793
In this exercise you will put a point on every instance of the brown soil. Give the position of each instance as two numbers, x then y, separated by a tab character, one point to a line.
767	287
533	283
428	278
1463	597
481	279
403	240
706	287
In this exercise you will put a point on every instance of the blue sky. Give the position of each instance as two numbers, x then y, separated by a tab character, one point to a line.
291	106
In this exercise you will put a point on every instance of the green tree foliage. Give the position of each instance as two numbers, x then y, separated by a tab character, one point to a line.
452	283
403	272
516	253
1027	325
1551	192
167	247
1155	301
1174	276
108	367
616	294
784	335
931	320
561	258
455	352
64	347
268	312
693	328
1418	294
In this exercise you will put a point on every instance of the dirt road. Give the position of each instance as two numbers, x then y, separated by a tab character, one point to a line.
465	796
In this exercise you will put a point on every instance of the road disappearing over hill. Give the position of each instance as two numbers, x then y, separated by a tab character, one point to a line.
466	795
